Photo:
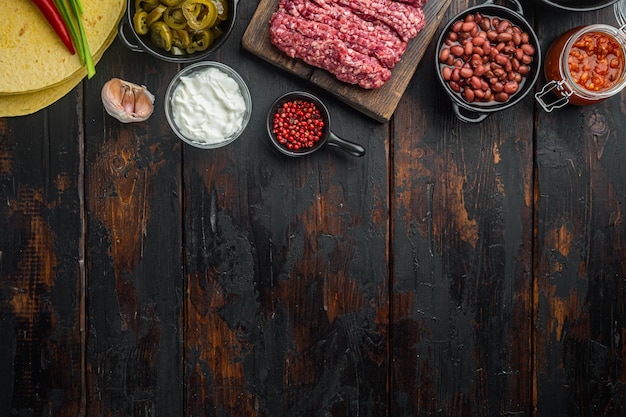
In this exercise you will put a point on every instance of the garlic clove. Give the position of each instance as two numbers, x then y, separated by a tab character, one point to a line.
127	102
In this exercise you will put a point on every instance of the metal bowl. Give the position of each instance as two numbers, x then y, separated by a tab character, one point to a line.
142	43
474	112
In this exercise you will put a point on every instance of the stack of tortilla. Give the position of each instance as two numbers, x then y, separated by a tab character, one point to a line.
36	69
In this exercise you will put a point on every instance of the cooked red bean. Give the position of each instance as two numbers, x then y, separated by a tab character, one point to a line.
485	23
528	49
502	59
444	54
505	37
469	48
468	26
503	26
475	81
525	37
478	40
485	58
457	50
510	87
456	75
501	97
466	72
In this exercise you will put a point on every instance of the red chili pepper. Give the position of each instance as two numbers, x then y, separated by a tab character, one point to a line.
51	13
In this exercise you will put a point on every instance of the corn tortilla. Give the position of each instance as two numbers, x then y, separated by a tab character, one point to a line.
33	58
28	103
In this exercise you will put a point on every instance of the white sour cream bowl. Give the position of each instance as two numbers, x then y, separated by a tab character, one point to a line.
208	105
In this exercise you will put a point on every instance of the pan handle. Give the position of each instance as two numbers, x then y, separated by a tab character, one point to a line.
517	4
121	31
351	148
479	117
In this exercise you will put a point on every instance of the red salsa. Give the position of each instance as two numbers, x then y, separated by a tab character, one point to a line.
596	61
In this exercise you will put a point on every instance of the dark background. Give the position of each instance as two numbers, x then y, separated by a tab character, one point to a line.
454	270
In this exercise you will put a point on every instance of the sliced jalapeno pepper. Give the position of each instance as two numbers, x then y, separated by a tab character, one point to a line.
156	14
139	23
200	14
222	9
161	35
146	5
200	41
175	18
181	39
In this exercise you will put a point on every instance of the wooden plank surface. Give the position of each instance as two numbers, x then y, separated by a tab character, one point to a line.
42	276
378	104
133	205
462	229
581	250
287	294
455	269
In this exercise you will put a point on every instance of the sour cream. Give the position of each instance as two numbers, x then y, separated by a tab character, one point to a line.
208	106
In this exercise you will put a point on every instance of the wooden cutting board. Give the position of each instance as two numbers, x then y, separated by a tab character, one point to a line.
379	103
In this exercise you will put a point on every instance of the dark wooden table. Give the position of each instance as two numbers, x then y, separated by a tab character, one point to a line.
455	270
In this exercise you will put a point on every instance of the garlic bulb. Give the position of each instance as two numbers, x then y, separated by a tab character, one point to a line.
127	102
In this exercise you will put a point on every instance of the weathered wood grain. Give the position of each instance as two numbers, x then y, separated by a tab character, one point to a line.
41	278
581	253
134	248
455	269
287	294
461	305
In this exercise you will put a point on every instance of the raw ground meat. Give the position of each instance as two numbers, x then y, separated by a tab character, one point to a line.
368	38
416	3
404	18
358	41
317	44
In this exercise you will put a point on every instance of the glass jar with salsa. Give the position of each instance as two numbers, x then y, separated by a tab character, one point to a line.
585	65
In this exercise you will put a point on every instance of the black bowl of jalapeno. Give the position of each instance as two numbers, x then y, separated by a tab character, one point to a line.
180	31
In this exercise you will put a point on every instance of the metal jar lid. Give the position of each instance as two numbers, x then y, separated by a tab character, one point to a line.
620	14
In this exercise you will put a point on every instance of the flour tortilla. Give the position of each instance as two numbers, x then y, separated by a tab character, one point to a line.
33	58
28	103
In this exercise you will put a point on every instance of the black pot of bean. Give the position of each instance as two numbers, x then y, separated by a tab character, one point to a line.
488	59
